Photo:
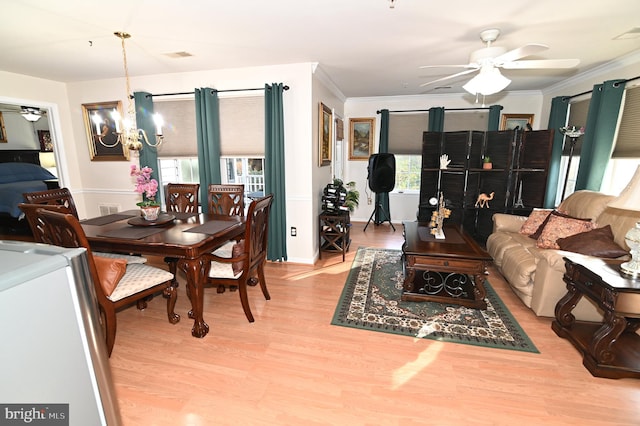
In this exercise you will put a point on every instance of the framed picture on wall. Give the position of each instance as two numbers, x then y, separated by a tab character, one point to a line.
512	121
102	131
324	135
361	138
46	145
3	134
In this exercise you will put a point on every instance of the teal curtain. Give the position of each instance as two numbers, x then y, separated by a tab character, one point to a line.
557	119
274	175
436	119
144	121
598	142
382	199
208	138
494	117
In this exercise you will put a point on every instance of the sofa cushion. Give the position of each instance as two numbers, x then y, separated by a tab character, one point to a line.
597	242
535	219
620	220
558	226
584	203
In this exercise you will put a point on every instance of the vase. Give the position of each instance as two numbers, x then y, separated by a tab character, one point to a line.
150	213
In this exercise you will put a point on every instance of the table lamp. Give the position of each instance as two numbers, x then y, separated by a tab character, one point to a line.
629	199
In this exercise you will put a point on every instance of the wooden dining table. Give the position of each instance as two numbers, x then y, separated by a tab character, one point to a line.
185	236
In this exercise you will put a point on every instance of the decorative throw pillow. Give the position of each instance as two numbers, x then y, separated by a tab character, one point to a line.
560	227
237	250
110	272
535	219
538	231
597	242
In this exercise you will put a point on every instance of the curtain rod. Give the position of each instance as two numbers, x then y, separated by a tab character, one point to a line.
590	91
213	90
426	110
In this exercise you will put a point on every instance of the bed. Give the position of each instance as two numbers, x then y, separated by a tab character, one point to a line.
20	172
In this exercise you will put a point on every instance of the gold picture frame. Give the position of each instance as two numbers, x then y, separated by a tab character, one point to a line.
325	134
3	132
111	150
361	131
511	121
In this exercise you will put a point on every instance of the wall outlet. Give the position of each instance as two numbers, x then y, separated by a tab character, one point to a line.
294	231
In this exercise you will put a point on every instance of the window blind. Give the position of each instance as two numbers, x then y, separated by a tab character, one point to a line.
405	132
628	140
241	127
455	121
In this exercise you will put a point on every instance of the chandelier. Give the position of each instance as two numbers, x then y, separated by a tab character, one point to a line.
125	128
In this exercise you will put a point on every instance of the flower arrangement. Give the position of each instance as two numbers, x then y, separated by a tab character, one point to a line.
145	185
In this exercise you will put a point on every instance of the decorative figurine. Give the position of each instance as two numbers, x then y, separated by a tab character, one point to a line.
437	219
444	161
483	200
519	202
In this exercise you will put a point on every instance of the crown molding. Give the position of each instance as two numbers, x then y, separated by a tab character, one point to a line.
321	75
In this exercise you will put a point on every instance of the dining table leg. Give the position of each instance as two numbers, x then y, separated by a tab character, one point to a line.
197	271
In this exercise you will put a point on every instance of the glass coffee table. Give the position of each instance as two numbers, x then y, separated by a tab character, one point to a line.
450	270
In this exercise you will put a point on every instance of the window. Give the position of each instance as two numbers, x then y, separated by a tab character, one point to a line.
248	171
408	168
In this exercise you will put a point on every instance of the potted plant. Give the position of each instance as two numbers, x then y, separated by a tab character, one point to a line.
486	163
148	187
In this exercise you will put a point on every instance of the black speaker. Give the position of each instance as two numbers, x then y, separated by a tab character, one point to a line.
382	172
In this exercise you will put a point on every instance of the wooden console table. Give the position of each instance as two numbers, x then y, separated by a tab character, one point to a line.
610	349
451	270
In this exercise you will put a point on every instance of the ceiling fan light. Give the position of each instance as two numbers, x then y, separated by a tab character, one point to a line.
487	82
31	114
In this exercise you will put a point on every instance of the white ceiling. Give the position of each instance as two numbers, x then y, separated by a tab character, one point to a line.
366	47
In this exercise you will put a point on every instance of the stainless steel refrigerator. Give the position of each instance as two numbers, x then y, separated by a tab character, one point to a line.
53	357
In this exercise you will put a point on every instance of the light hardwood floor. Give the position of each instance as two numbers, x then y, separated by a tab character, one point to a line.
292	367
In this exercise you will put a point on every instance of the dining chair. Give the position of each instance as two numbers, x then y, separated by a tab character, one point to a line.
63	197
180	198
226	199
58	196
244	265
117	283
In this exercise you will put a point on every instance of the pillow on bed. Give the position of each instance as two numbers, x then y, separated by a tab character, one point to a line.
20	172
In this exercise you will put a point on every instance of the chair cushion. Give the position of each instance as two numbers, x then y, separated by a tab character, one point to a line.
139	277
597	242
227	270
110	272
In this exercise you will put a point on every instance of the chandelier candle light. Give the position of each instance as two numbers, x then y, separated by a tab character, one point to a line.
148	187
128	134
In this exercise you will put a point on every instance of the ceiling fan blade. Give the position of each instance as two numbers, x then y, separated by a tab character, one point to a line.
541	64
449	77
520	52
448	66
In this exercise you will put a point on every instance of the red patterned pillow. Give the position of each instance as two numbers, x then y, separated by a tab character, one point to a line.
535	219
560	227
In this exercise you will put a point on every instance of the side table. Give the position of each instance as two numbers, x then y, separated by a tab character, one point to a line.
610	349
334	232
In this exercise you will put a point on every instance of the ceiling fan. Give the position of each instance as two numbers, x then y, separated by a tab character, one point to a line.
489	59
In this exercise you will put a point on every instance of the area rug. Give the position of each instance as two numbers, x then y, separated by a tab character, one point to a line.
371	301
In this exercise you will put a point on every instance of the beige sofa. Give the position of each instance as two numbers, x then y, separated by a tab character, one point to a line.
534	274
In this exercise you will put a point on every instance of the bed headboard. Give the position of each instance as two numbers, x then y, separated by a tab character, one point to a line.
20	156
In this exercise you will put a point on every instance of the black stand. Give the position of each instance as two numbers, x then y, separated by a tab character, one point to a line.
380	209
566	177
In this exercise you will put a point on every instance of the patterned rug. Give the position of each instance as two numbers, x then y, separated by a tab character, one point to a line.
371	301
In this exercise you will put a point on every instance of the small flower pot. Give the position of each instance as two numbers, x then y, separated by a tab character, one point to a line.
150	213
487	166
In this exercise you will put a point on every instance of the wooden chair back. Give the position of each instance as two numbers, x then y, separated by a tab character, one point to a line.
35	223
58	196
182	197
227	199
